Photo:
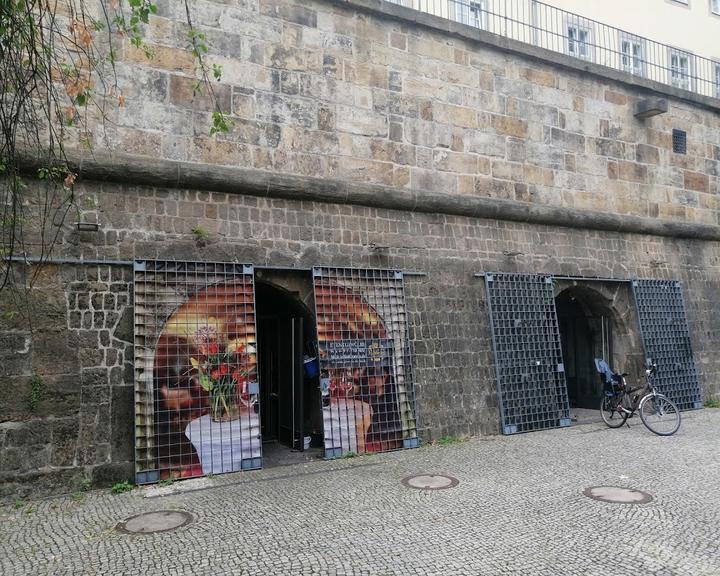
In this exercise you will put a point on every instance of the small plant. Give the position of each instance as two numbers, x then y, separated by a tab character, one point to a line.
121	487
86	485
29	510
712	404
447	440
78	496
36	392
200	233
167	482
19	504
350	454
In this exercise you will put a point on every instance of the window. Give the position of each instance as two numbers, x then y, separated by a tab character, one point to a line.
632	54
680	69
471	13
717	80
579	41
679	140
715	6
401	2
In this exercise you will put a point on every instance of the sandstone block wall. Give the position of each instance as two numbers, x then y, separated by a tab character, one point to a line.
320	88
83	425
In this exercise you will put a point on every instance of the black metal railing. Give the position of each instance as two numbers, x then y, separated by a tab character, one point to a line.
548	27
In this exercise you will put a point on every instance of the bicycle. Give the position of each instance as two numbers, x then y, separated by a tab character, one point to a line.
620	402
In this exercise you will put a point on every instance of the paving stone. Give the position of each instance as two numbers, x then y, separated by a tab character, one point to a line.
518	508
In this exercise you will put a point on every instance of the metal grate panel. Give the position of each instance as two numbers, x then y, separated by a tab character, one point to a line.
666	338
528	358
368	399
679	140
196	386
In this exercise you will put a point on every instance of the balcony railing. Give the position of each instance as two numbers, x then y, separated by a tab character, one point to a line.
549	27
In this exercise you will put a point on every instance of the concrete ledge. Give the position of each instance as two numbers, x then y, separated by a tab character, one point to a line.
127	169
466	32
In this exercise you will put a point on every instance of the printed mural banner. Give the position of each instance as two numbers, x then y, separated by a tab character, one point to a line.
366	380
196	386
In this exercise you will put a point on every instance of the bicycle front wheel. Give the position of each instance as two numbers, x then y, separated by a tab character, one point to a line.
659	414
611	411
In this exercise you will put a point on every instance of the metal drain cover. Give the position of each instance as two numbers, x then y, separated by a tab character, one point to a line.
430	482
151	522
617	495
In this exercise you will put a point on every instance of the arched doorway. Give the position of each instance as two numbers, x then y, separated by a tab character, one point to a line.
586	332
289	394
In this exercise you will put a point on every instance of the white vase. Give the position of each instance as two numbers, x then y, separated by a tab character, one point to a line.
340	422
222	446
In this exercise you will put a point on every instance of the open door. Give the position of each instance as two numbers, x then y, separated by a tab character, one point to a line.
290	385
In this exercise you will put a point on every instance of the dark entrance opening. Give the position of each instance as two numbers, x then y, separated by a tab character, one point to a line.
586	333
289	392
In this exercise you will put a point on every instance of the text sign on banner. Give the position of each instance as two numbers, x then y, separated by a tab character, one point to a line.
356	353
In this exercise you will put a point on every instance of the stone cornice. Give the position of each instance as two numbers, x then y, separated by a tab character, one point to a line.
142	170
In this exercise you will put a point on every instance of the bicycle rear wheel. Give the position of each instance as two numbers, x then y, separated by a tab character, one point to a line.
659	414
609	410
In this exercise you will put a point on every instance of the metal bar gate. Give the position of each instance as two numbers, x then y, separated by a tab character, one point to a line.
528	358
366	380
196	386
530	375
666	337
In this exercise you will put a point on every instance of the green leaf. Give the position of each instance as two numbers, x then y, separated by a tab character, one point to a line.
206	382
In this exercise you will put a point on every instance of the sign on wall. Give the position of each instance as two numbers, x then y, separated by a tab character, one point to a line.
366	380
196	385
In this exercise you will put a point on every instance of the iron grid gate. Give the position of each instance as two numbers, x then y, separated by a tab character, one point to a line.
367	389
528	357
196	383
666	338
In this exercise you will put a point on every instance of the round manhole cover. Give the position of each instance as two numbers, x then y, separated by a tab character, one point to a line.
430	482
617	495
151	522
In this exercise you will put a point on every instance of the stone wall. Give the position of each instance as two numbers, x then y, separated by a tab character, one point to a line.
66	364
322	88
83	426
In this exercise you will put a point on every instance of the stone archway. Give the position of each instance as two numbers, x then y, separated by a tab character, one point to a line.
596	320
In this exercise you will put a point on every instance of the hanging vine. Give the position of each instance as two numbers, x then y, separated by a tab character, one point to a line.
57	82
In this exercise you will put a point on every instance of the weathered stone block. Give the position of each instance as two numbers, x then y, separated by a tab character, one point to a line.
565	140
615	97
485	143
189	93
447	161
455	115
509	126
647	154
541	77
696	181
164	57
361	122
214	151
632	171
295	13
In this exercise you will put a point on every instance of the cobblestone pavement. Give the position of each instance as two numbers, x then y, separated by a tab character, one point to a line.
518	509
